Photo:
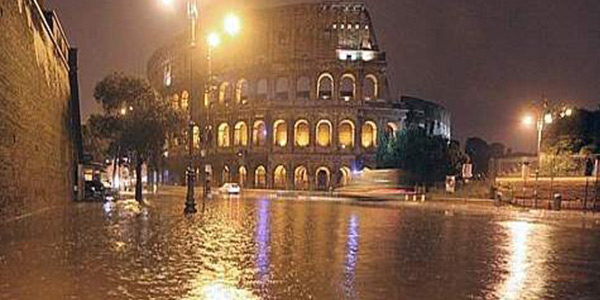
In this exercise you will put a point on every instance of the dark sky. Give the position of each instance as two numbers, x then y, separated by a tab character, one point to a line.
484	60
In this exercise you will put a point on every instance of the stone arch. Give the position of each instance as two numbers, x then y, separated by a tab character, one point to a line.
369	134
301	181
302	133
240	134
325	86
280	137
260	177
224	93
196	136
303	88
242	176
259	133
324	132
370	87
223	135
322	178
345	176
185	100
346	131
175	101
262	89
347	87
241	91
280	177
391	129
282	88
226	174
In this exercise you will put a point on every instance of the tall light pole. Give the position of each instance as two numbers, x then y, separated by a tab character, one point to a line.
190	201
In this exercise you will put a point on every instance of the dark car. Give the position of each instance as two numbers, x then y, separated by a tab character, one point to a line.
95	190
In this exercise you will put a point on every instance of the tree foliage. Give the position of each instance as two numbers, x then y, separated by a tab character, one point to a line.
479	153
426	159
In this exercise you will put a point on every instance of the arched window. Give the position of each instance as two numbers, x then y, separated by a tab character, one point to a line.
242	176
345	176
226	174
282	88
391	129
325	86
241	91
175	101
347	87
196	135
259	133
346	134
280	178
261	89
371	87
185	100
302	133
301	178
225	93
260	177
324	133
280	133
240	134
223	135
323	178
369	134
303	88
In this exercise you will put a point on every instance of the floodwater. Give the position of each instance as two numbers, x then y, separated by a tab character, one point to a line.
260	248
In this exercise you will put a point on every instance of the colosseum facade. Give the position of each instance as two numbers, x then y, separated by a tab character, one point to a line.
298	101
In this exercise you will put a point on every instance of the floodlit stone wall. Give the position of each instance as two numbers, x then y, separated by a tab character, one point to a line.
36	148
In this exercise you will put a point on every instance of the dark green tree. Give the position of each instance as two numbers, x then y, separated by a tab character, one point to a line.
479	153
135	120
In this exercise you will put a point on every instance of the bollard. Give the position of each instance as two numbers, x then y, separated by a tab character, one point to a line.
423	198
557	201
405	197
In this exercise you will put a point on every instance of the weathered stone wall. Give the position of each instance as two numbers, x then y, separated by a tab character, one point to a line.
36	153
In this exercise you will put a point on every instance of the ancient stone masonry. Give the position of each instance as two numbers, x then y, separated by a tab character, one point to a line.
36	145
298	101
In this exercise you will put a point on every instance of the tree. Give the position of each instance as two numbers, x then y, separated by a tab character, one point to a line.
135	120
426	159
497	150
479	153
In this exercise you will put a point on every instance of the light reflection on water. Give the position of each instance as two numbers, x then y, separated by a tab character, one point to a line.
351	256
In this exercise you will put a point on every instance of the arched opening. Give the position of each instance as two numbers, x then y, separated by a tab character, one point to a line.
302	133
240	134
226	175
196	136
185	100
280	133
325	86
391	129
301	178
370	87
225	93
346	134
347	87
223	135
282	89
280	178
260	177
324	132
241	91
303	88
242	176
261	89
369	134
323	177
345	176
259	133
175	102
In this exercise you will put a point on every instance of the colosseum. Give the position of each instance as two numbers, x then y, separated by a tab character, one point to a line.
298	100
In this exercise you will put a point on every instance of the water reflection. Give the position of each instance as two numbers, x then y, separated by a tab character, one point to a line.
527	250
262	240
351	257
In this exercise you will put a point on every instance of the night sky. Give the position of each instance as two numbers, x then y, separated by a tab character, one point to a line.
484	60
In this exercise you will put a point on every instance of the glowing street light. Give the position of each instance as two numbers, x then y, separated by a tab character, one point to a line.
528	120
568	112
232	24
213	40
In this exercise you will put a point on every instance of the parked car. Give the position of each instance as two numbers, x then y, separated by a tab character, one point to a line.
95	190
230	189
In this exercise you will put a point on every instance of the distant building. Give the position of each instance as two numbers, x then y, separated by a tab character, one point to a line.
39	115
432	117
299	101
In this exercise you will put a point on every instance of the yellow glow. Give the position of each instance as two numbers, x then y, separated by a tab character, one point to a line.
232	24
302	134
548	119
213	40
369	134
346	135
324	134
568	112
168	3
280	128
528	120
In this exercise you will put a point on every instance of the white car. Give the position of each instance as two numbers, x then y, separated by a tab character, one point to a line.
230	188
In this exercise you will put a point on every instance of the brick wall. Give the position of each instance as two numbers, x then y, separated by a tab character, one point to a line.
36	153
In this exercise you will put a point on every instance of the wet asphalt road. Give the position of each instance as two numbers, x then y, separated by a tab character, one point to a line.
260	247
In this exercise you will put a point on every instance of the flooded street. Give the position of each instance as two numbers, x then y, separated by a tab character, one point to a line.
260	248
